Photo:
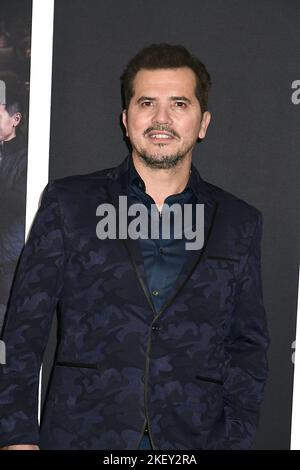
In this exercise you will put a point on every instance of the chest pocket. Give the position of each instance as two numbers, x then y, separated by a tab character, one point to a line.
222	262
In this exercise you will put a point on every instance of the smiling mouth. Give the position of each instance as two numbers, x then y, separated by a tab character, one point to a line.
162	136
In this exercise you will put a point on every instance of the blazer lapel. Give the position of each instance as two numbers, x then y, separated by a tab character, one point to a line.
118	187
193	257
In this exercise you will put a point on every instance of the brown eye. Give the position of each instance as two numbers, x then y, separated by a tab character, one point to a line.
146	104
180	104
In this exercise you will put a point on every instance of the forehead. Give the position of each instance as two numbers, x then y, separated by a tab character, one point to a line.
174	82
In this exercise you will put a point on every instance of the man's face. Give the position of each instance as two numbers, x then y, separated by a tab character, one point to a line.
8	124
164	119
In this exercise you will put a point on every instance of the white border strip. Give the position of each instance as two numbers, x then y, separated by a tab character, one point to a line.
39	104
295	430
39	111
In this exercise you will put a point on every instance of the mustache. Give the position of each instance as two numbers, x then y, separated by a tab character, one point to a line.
161	128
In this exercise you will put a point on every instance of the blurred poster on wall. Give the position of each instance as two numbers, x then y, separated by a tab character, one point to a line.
15	46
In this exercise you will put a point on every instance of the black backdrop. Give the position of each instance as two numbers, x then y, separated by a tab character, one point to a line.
251	49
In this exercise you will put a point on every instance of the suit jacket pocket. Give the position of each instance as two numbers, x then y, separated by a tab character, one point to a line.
82	365
222	263
223	258
209	379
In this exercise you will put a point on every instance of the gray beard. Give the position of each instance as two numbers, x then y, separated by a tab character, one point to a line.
164	162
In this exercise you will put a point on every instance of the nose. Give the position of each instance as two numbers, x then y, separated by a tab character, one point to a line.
162	115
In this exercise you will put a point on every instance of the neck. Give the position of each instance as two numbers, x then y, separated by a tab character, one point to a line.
162	183
8	138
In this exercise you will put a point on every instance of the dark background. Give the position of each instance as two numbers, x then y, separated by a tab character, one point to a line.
251	49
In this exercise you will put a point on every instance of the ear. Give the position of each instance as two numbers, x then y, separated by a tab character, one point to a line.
204	124
17	119
124	120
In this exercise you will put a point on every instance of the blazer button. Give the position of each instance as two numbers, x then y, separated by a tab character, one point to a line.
155	327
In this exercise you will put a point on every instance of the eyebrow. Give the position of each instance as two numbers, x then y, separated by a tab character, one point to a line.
180	98
172	98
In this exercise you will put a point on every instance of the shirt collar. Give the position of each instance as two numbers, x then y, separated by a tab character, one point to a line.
14	145
137	181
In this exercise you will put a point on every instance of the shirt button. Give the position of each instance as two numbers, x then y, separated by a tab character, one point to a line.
155	292
161	251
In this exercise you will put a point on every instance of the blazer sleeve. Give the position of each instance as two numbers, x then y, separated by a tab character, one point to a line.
246	344
34	296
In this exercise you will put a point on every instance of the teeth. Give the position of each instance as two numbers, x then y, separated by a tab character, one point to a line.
161	136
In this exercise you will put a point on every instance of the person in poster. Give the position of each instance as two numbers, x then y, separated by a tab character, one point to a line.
15	43
13	173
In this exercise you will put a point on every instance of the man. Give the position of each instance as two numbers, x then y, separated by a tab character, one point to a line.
159	346
13	168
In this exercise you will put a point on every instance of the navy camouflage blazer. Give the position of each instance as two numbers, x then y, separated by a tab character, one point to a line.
196	370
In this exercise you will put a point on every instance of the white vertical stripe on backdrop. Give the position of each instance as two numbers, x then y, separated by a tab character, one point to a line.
39	110
295	430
